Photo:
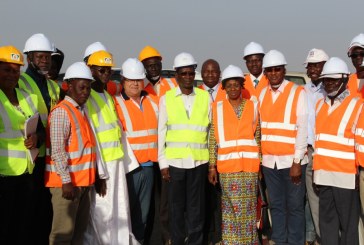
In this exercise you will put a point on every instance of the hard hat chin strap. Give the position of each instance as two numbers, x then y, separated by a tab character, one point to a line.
334	93
39	71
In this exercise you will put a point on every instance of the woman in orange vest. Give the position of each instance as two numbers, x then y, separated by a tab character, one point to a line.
235	154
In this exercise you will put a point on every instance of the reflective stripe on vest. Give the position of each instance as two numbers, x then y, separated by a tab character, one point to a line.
144	142
187	137
336	152
104	120
81	152
284	132
237	149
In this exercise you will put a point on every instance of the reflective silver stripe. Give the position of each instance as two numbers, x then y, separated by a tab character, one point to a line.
359	131
277	125
238	155
146	146
276	138
359	148
71	168
141	133
186	144
170	83
319	106
11	134
129	125
241	142
261	96
112	144
28	100
78	154
5	117
289	104
154	106
220	121
335	139
50	82
103	126
13	153
198	128
27	84
346	117
335	154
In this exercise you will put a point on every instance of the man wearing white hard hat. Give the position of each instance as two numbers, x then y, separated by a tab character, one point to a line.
38	50
138	114
255	80
314	64
356	54
334	161
71	157
184	119
283	118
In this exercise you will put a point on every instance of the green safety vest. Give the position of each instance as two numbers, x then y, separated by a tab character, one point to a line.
27	83
14	159
105	123
187	137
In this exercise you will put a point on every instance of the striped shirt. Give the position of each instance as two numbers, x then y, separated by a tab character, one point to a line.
61	135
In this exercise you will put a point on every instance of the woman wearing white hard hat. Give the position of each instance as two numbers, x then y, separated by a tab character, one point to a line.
234	153
138	114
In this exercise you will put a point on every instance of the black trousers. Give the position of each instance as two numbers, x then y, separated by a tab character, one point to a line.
187	196
16	209
338	211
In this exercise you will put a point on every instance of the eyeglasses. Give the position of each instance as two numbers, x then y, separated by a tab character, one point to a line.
104	70
274	69
356	54
186	73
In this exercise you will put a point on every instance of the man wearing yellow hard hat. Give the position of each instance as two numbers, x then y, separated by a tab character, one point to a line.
16	168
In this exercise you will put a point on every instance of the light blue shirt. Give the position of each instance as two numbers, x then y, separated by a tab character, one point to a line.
314	94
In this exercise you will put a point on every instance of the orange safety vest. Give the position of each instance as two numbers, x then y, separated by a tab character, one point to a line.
353	86
237	149
249	90
221	93
335	141
141	127
359	139
278	120
81	151
165	85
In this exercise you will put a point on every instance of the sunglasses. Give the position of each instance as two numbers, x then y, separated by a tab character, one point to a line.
104	70
274	69
186	73
357	54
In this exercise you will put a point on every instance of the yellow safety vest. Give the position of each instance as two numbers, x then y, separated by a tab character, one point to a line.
105	123
187	137
13	154
27	83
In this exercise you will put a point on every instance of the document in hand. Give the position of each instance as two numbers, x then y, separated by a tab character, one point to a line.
30	127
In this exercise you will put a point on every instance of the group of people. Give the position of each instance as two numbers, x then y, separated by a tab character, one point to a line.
109	152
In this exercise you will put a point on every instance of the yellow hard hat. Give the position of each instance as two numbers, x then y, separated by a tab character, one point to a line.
101	58
10	54
148	52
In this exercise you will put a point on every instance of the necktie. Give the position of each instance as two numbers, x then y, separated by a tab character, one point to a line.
211	90
256	81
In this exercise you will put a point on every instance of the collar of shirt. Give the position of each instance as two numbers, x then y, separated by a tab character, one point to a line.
313	88
280	88
125	97
252	77
73	102
215	88
339	98
179	92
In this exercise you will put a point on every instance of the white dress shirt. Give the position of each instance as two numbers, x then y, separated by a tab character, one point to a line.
215	88
314	94
285	161
252	77
185	163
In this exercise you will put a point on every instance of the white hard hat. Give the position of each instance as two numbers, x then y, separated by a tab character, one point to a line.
315	56
132	68
184	59
274	58
94	47
38	42
232	71
253	48
357	41
78	70
335	68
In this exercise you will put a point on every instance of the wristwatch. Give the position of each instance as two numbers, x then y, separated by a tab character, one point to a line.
296	160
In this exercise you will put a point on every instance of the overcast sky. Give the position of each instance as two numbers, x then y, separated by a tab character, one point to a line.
206	29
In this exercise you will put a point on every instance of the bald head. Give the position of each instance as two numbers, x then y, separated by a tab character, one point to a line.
210	73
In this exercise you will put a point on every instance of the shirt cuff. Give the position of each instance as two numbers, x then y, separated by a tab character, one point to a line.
163	164
66	178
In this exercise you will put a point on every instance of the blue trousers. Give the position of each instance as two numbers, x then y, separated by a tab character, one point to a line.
287	206
140	186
